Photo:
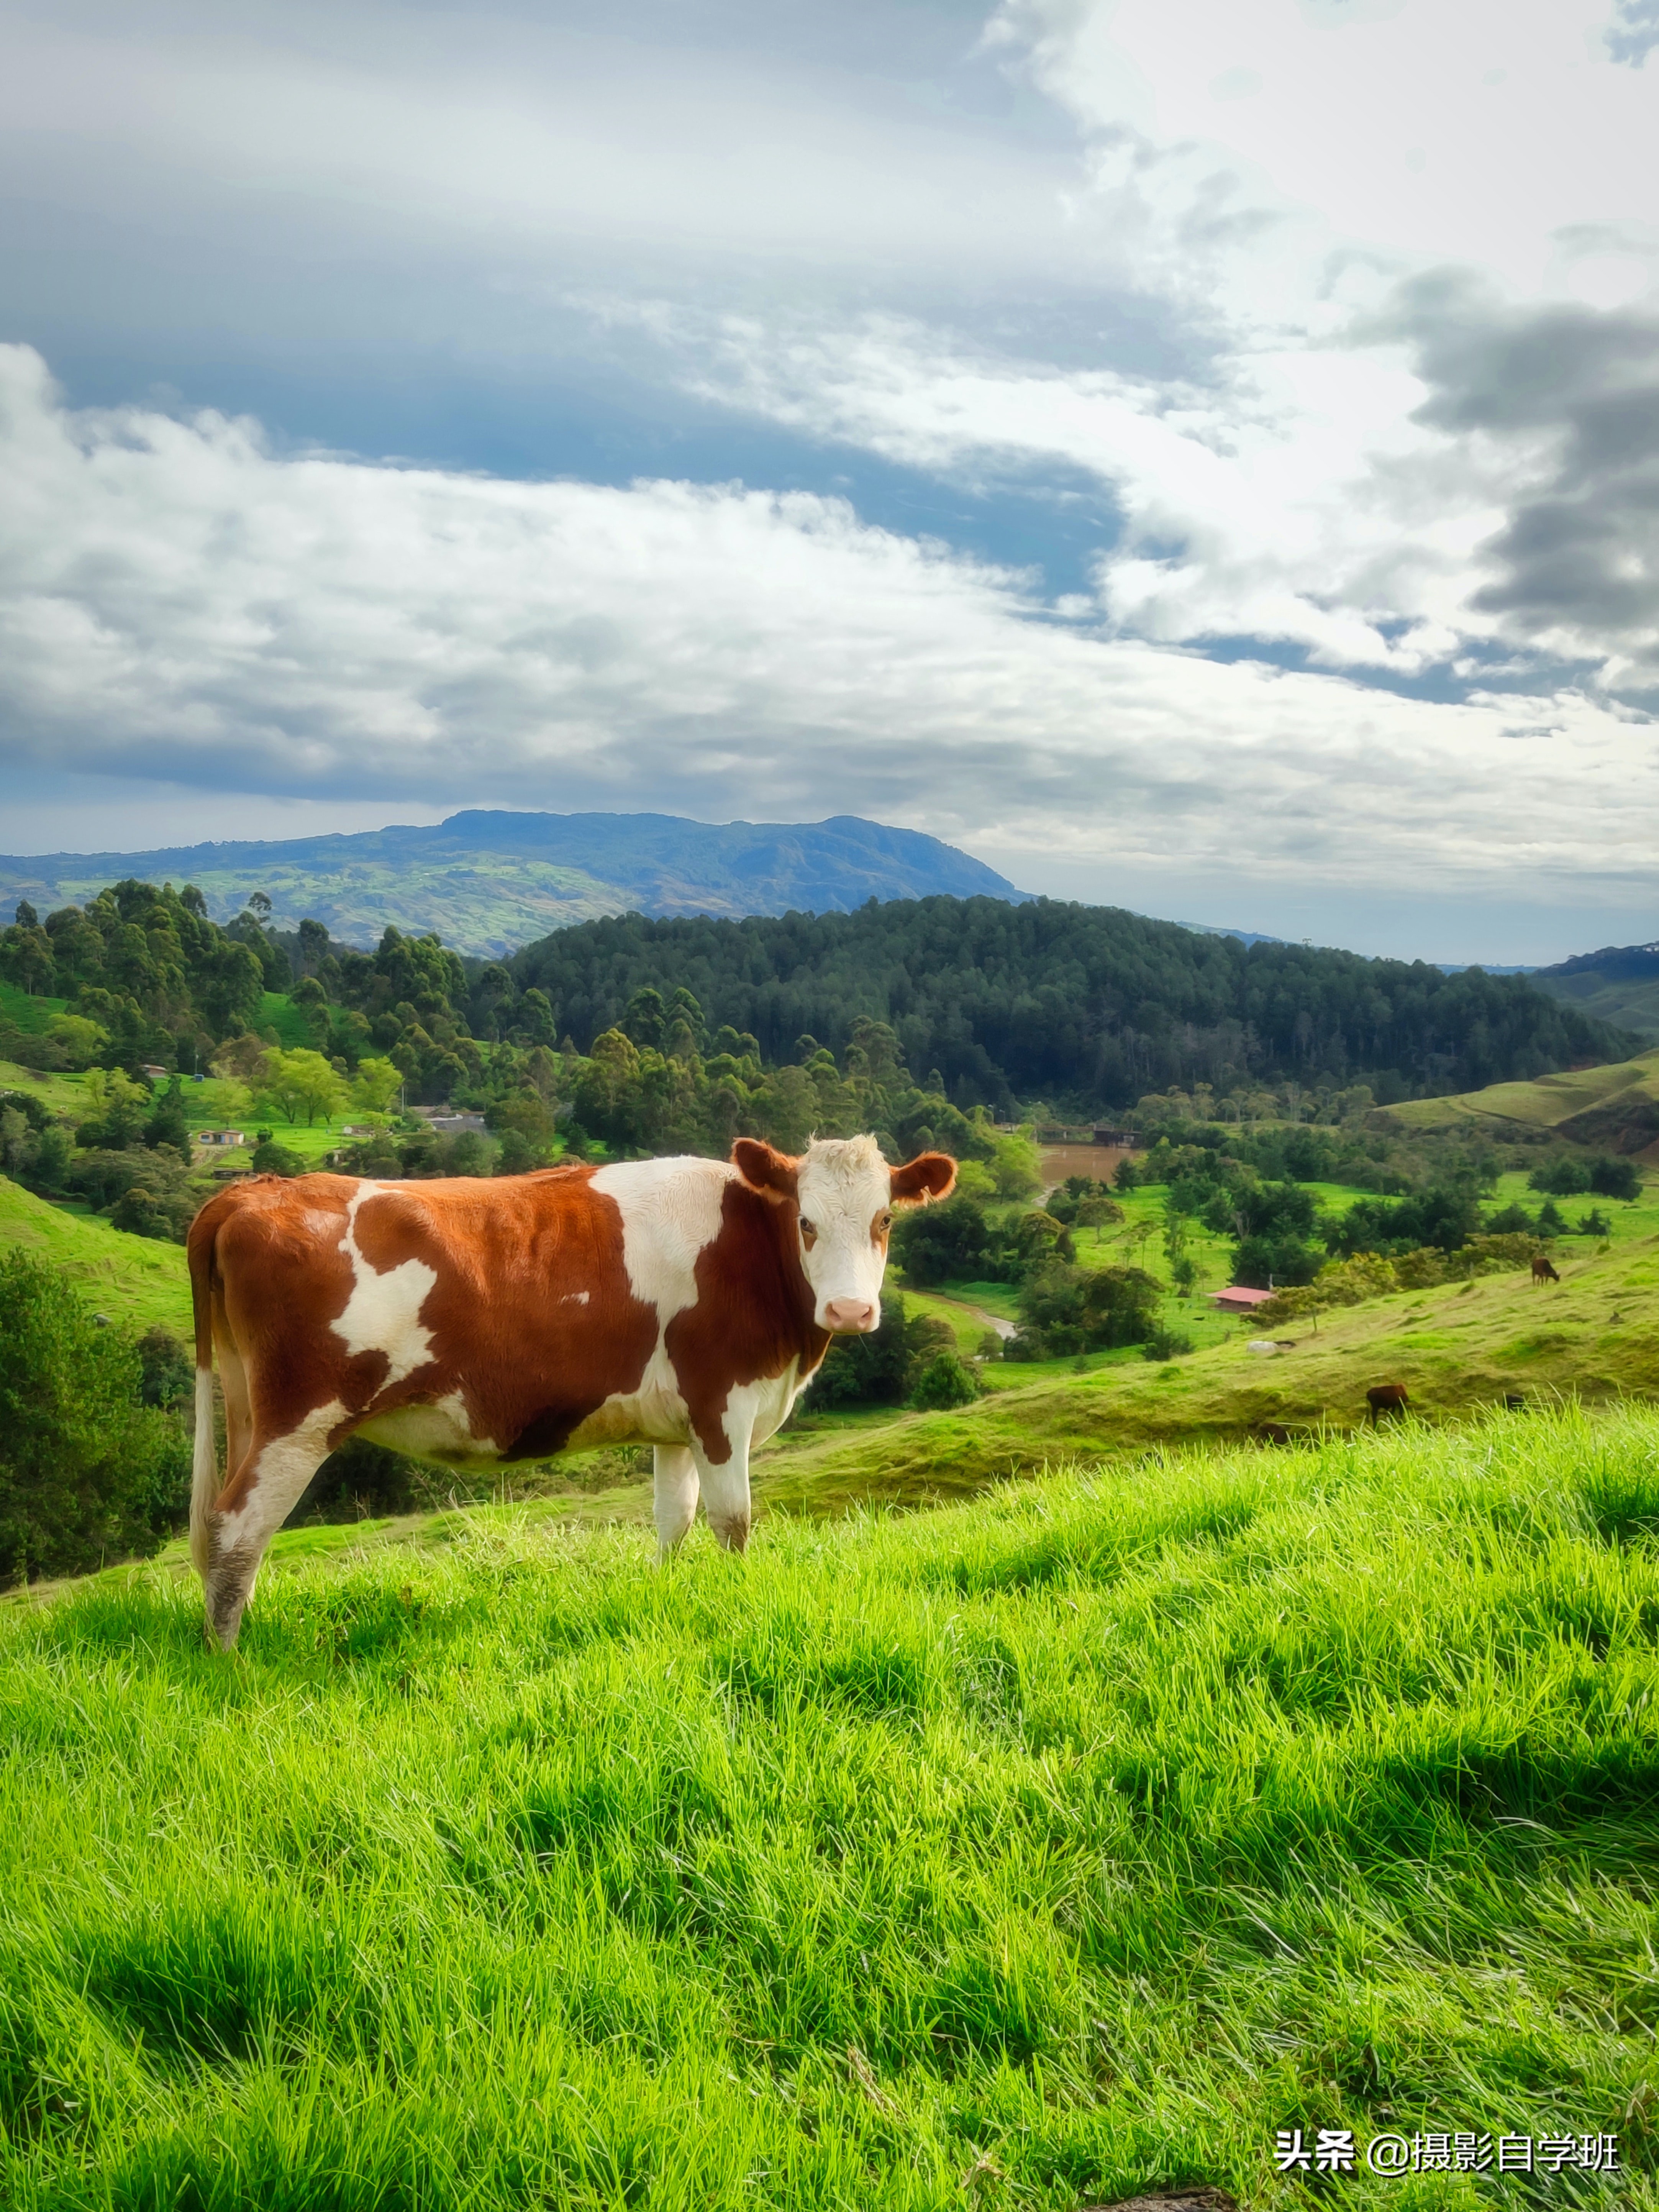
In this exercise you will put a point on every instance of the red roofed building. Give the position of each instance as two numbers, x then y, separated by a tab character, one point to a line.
1237	1299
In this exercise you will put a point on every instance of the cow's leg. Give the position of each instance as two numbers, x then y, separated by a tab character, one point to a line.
261	1494
674	1501
726	1481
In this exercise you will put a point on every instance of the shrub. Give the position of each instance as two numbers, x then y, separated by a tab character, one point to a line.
87	1472
1066	1310
942	1383
362	1480
268	1157
881	1368
1166	1343
166	1373
1569	1176
140	1214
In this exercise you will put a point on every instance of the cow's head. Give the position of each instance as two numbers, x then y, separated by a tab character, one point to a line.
841	1193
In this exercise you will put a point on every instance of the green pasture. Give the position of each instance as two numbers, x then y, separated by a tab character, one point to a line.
19	1010
1543	1103
131	1278
1034	1853
59	1094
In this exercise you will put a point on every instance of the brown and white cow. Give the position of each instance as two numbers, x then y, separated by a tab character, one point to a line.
682	1302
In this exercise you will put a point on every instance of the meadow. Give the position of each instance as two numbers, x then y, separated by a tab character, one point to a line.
1028	1853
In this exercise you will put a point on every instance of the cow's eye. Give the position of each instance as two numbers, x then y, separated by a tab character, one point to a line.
884	1223
809	1231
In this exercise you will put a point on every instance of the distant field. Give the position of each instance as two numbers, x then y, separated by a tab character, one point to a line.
59	1094
1631	1002
1033	1853
1548	1102
23	1012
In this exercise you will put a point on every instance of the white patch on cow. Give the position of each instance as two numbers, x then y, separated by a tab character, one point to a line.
573	1298
383	1312
842	1186
278	1478
441	1431
671	1209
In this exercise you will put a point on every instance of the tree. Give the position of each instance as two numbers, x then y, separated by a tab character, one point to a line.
313	944
87	1472
299	1085
1016	1168
881	1368
942	1383
376	1085
166	1124
120	1109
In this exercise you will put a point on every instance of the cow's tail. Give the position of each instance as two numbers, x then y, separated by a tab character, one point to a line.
204	1466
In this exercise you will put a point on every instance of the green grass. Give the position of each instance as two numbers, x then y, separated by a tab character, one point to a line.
131	1279
59	1094
21	1012
1029	1854
1546	1103
278	1012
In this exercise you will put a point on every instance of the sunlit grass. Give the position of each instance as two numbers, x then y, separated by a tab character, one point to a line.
1023	1854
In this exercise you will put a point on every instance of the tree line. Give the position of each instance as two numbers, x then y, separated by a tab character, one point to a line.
1076	1005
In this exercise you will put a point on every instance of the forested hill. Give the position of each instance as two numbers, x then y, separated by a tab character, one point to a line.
1080	1003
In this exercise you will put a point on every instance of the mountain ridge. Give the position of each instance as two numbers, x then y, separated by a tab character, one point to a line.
1619	983
490	881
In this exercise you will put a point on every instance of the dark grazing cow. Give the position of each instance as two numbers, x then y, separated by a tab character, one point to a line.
1387	1398
1542	1271
684	1303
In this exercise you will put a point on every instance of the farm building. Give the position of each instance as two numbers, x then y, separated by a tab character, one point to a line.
1237	1299
218	1139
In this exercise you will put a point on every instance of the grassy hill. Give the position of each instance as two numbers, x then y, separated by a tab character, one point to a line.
1615	1106
131	1278
1029	1854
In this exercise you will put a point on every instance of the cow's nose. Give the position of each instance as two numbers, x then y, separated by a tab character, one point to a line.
849	1316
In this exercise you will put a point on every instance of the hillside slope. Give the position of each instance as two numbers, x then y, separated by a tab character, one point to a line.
1613	1106
1031	1855
1460	1349
489	882
131	1279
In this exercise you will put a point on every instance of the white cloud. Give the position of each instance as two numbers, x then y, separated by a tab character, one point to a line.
177	602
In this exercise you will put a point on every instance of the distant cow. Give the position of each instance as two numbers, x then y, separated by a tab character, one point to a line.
1387	1398
684	1303
1542	1271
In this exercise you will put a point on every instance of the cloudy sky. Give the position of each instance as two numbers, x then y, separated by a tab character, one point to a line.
1196	454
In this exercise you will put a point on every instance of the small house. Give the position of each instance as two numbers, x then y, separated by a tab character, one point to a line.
1237	1299
220	1139
156	1074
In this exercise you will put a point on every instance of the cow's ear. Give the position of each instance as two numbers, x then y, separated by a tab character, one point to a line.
930	1174
771	1173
